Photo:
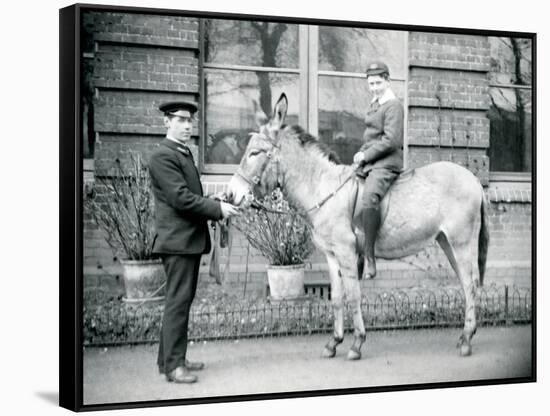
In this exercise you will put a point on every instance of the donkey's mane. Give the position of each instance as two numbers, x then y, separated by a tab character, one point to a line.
307	139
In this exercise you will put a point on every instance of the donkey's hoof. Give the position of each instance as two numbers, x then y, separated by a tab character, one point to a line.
328	353
465	350
354	355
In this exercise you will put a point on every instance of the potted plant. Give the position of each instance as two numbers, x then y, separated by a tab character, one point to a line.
282	235
122	205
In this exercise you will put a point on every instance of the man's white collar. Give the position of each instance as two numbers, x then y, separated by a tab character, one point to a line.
387	96
176	140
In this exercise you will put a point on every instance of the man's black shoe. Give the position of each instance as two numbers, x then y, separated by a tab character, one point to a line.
194	365
181	375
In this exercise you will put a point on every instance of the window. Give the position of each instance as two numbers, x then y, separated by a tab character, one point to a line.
245	61
87	90
320	68
510	110
344	54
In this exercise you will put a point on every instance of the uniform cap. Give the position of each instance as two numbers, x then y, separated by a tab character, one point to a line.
179	108
377	68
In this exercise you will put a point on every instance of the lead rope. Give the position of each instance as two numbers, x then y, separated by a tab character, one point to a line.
222	238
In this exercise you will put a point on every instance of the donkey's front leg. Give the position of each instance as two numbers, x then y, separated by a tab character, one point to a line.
352	290
337	296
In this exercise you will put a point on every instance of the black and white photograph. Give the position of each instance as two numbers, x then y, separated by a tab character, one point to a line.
274	207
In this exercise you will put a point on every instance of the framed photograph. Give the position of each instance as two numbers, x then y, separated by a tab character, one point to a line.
264	207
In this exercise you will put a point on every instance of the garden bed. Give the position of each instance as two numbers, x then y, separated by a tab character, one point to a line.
220	315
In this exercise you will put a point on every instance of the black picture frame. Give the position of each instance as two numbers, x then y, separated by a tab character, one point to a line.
71	212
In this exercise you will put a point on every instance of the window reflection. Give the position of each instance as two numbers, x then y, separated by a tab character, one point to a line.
251	43
511	126
510	61
230	113
343	103
510	112
226	146
347	49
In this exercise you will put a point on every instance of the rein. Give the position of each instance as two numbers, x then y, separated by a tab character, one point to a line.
325	199
260	206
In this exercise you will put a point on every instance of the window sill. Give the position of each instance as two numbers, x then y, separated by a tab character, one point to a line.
513	187
510	192
219	169
508	177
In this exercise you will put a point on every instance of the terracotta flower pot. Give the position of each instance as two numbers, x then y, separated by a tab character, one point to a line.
143	279
286	282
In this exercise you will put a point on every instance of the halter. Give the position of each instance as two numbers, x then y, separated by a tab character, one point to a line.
255	180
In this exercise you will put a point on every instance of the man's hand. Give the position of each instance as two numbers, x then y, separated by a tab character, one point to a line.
220	196
358	158
228	210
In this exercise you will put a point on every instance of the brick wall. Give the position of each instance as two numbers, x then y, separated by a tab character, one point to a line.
139	61
448	98
146	68
427	127
509	258
171	31
142	60
440	50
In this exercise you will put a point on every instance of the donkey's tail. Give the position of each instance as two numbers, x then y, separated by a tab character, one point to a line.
483	242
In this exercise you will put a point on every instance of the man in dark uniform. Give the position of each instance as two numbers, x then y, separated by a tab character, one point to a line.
182	234
380	158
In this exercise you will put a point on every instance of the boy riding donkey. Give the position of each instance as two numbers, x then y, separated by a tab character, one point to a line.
380	158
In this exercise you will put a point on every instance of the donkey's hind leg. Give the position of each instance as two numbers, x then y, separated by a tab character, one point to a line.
460	257
337	298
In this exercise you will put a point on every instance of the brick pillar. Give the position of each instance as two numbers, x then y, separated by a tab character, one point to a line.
448	99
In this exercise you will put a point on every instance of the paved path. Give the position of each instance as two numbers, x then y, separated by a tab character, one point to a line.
256	366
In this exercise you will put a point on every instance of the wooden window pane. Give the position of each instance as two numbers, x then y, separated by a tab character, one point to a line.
511	130
230	113
346	49
343	103
251	43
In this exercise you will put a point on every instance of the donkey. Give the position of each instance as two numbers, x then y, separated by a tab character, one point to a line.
441	201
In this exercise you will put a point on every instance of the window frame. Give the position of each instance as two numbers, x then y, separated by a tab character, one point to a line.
222	168
511	177
308	72
314	128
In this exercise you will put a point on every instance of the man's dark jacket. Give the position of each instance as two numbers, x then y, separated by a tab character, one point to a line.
181	209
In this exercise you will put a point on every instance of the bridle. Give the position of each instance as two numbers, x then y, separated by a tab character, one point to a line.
255	180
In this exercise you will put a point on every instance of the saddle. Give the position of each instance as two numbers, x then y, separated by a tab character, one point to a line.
357	198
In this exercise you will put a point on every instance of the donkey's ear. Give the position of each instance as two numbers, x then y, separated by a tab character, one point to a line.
279	113
259	115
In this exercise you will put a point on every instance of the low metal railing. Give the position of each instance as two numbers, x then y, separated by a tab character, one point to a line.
113	322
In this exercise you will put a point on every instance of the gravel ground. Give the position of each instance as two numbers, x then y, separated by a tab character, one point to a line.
259	366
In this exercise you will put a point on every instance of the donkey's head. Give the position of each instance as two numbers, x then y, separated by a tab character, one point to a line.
259	171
